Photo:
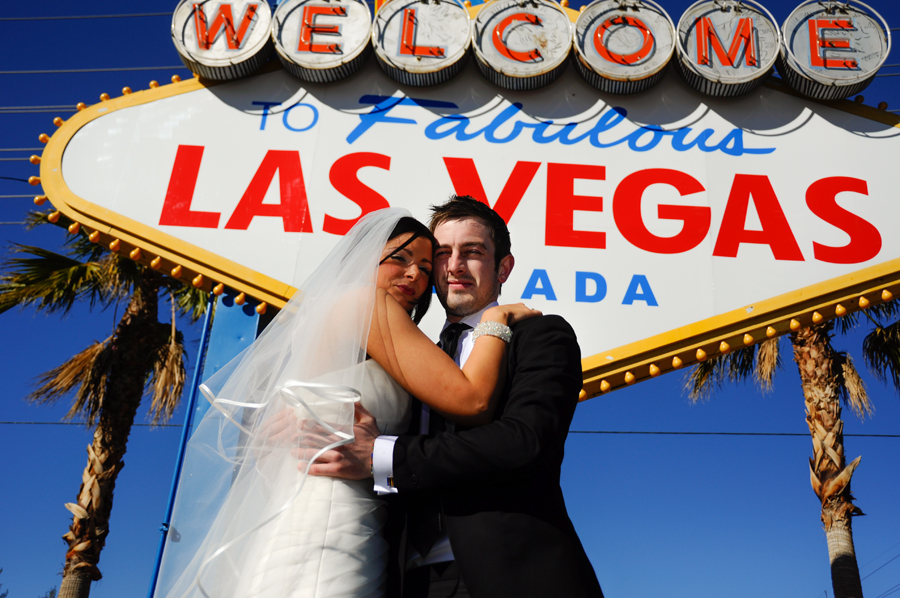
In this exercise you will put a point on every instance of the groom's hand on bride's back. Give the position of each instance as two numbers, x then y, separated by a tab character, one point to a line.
352	461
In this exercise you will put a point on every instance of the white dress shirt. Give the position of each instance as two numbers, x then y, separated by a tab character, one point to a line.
383	451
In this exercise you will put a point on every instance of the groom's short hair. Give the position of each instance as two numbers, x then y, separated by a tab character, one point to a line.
462	207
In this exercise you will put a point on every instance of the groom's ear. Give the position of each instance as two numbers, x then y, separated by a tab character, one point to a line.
505	268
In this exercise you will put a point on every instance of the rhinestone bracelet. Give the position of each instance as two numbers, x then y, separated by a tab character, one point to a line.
491	328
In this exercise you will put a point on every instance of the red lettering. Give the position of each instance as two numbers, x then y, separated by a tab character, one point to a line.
466	181
562	203
865	240
776	232
708	36
177	205
500	42
817	43
624	21
408	45
344	177
223	19
308	28
627	211
293	209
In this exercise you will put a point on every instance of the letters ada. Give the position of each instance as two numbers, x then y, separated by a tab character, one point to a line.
721	47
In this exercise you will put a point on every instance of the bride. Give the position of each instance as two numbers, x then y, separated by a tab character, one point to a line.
248	520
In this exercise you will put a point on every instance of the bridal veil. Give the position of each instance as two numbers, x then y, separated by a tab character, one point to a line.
301	370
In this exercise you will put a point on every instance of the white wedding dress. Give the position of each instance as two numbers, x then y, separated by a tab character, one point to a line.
329	543
247	522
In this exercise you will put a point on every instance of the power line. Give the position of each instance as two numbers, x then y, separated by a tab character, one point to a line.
880	555
84	424
103	70
70	17
60	106
889	591
723	433
876	570
45	110
570	431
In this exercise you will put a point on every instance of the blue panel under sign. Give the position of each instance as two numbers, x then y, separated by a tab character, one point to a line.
234	328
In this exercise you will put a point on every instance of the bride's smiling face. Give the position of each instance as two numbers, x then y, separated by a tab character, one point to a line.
404	273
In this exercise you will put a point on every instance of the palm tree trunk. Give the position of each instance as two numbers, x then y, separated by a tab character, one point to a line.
129	367
829	473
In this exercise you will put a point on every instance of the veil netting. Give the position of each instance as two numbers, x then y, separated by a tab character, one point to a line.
241	471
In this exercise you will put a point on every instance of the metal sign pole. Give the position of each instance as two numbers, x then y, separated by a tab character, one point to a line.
195	383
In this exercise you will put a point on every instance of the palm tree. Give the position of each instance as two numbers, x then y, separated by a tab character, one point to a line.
108	378
828	378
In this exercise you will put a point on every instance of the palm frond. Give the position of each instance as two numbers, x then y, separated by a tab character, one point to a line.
768	361
851	387
848	322
168	379
190	300
87	372
756	362
888	310
119	276
703	379
169	373
881	351
709	375
50	281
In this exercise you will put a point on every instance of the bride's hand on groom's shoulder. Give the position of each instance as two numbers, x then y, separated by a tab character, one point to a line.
510	314
352	461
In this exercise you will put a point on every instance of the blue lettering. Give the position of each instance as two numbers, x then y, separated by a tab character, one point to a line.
642	139
457	126
733	145
581	284
639	290
607	121
657	135
562	135
383	105
315	118
265	112
500	120
680	143
539	277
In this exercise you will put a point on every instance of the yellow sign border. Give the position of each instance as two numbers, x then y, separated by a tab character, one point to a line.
603	372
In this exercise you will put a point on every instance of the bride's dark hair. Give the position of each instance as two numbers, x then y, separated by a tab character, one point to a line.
411	225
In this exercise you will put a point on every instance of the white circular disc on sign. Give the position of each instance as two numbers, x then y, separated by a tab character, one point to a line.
833	50
624	45
421	43
522	45
726	47
223	40
322	40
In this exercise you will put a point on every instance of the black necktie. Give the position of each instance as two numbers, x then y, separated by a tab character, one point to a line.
425	509
450	344
450	338
432	423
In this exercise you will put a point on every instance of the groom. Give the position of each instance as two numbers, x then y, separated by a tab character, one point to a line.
494	489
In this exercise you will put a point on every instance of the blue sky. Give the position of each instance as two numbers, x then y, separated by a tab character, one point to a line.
660	515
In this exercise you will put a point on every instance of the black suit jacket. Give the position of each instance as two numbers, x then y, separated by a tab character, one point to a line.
499	483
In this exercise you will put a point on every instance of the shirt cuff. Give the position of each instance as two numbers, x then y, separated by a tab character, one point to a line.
383	464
